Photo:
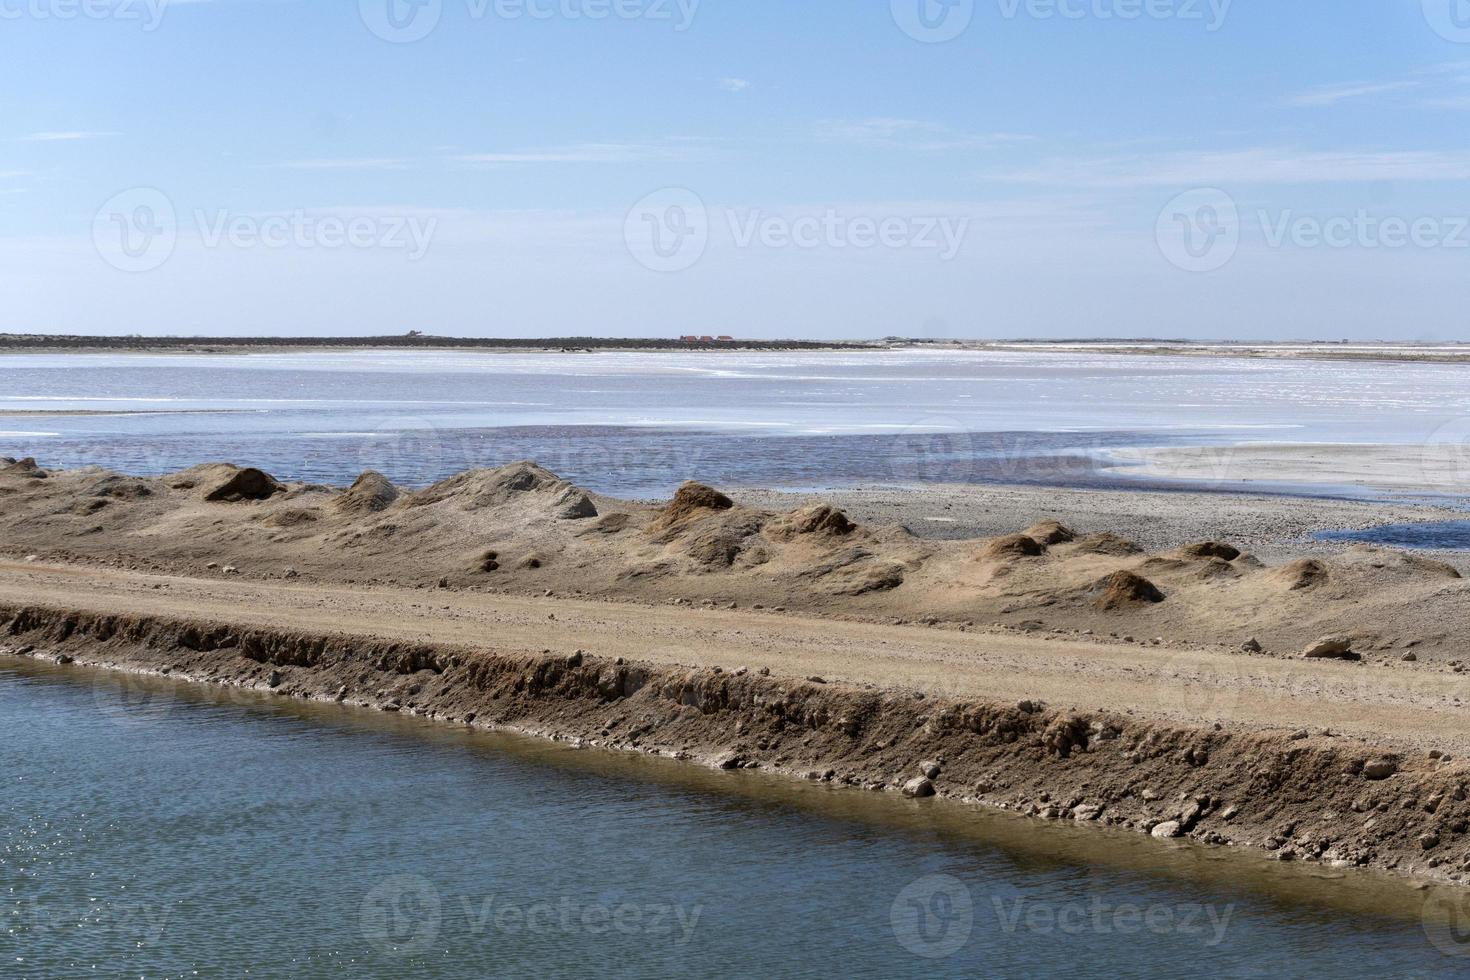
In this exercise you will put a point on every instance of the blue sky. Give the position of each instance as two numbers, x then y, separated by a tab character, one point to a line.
816	168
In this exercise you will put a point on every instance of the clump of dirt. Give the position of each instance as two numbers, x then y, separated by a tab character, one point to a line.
1010	547
610	524
370	493
1124	590
25	469
1050	532
1304	573
693	497
1106	543
526	486
294	517
818	519
1209	549
232	485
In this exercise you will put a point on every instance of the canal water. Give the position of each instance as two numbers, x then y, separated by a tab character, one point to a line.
153	829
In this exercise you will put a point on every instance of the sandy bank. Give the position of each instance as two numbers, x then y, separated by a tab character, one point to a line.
1273	527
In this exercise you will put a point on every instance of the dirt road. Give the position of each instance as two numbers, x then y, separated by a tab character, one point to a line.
1401	704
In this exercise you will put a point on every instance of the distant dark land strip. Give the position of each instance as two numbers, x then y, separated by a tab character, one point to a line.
52	342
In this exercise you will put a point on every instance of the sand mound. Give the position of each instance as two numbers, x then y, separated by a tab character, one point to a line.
1123	589
524	482
1107	543
370	493
1011	546
1400	563
1305	573
693	497
25	469
118	487
818	519
1050	532
610	524
228	484
1209	549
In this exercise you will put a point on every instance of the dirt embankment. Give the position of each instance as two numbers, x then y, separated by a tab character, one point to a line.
1296	796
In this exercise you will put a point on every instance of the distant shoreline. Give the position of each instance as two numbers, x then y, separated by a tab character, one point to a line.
43	343
1424	353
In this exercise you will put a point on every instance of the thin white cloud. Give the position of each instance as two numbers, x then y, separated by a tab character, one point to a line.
65	136
1330	95
582	153
911	134
1454	102
370	163
734	84
1267	165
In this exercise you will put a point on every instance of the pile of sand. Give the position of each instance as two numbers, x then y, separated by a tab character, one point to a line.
522	528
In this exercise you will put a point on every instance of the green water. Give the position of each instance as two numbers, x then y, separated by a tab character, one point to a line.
152	830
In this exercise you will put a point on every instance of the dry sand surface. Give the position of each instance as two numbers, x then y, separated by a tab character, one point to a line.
1398	706
1428	468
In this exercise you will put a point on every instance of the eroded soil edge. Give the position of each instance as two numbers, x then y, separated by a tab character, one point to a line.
1316	798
